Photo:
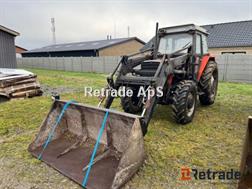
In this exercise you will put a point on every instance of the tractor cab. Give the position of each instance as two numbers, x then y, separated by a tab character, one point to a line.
183	39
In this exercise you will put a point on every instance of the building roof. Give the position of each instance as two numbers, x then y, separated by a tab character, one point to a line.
21	48
148	45
230	34
7	30
87	45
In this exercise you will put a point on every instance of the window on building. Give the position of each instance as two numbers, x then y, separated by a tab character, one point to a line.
235	52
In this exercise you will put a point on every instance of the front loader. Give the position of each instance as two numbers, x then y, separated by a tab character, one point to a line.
245	181
103	148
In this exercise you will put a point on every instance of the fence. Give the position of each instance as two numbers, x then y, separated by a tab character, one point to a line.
236	68
76	64
231	67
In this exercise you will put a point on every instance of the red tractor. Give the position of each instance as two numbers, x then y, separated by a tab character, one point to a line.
179	63
75	138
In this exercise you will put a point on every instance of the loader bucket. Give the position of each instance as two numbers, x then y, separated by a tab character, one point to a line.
120	149
246	161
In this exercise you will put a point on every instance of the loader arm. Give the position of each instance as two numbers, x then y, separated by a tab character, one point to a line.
163	71
163	78
165	68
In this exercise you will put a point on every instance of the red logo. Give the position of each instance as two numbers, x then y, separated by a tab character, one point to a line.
185	173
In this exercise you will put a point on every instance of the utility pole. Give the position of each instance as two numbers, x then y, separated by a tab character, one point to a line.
53	31
128	31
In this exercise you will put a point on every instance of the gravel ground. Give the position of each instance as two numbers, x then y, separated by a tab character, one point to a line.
48	90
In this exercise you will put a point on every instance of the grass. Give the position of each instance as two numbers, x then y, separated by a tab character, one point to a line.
75	80
212	141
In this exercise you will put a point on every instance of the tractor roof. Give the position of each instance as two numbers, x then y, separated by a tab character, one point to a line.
183	28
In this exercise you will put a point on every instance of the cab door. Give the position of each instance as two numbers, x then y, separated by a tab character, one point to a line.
201	51
198	54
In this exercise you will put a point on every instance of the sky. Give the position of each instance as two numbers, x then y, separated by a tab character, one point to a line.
87	20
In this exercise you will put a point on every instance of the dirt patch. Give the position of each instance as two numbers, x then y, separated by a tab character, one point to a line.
48	90
16	174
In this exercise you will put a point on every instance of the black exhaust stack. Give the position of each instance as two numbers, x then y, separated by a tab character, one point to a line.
156	42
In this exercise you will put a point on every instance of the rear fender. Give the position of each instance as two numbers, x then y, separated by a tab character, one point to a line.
205	59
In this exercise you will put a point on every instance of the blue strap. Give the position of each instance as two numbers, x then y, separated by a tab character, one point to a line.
95	148
49	138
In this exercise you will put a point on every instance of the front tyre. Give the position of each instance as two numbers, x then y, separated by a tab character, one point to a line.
184	101
132	104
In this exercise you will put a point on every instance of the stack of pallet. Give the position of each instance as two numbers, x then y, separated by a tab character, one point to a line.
18	84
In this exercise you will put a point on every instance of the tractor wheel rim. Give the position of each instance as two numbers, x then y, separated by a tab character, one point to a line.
190	104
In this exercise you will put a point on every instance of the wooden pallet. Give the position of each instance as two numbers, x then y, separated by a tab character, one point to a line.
19	86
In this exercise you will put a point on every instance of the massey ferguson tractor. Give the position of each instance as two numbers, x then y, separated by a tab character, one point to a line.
102	148
180	64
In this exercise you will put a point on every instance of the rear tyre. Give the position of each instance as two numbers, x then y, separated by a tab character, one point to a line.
184	101
208	84
132	104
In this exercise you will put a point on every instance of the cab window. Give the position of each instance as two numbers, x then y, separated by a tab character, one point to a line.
198	44
204	44
174	42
